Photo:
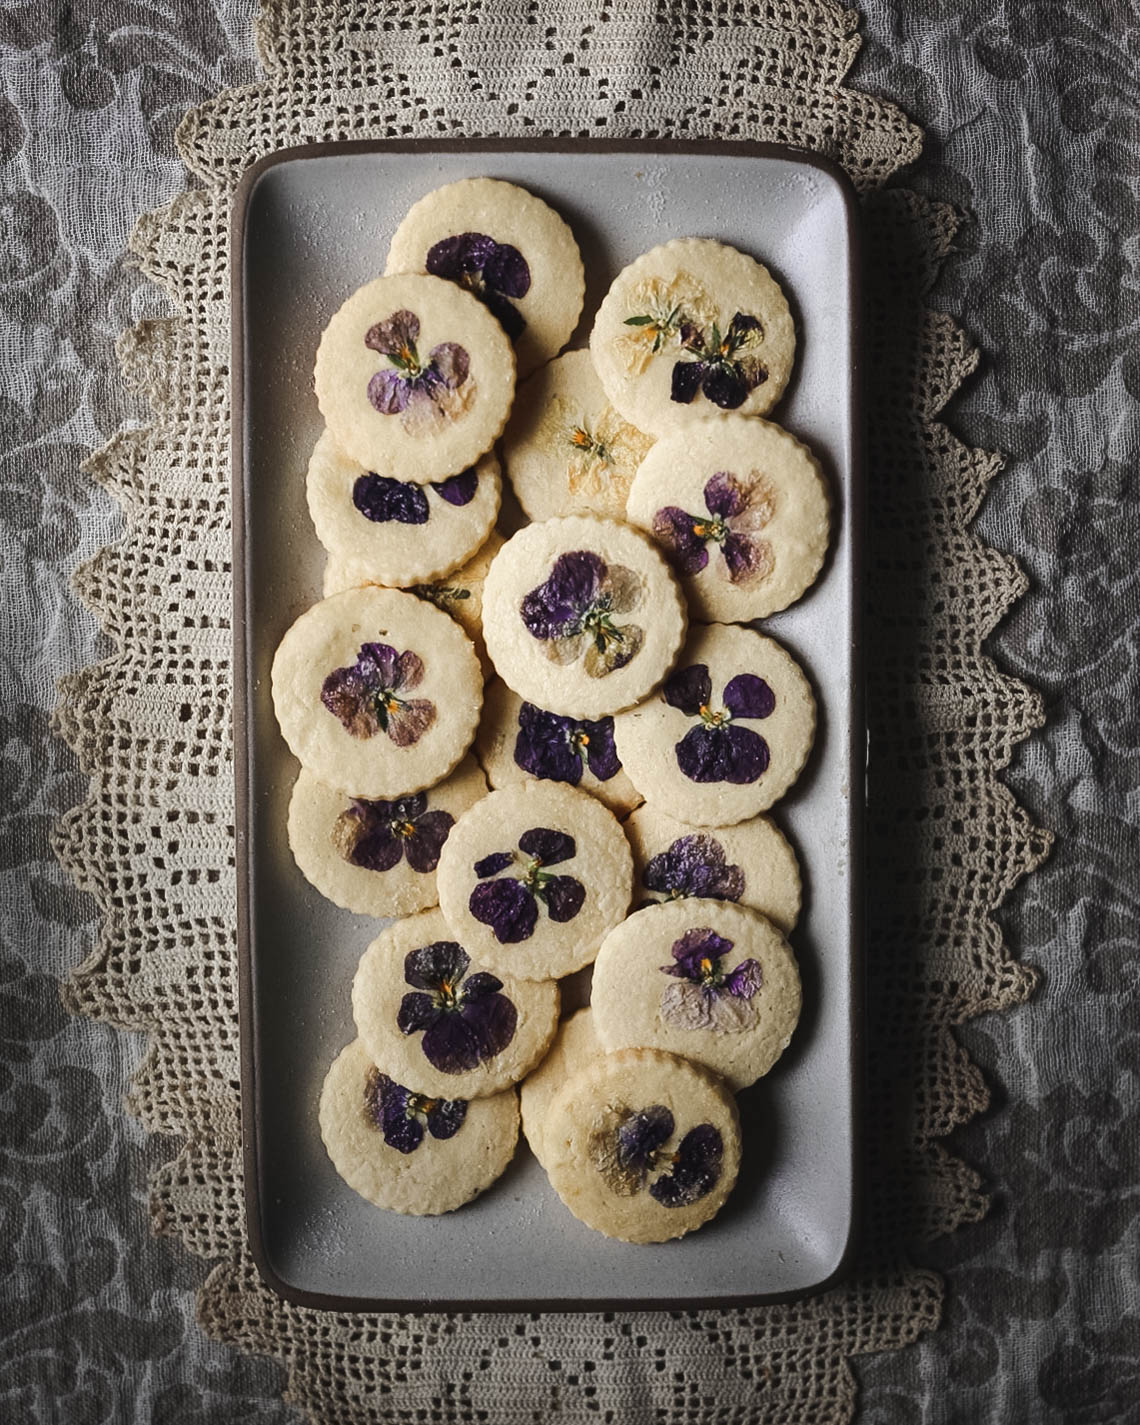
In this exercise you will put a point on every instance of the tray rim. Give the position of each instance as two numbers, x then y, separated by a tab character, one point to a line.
241	671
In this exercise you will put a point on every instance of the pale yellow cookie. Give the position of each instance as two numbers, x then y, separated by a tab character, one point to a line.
414	378
516	740
566	450
713	982
408	1152
574	1047
439	1021
377	857
507	247
726	734
532	877
582	616
399	532
750	863
741	510
377	692
643	1146
693	330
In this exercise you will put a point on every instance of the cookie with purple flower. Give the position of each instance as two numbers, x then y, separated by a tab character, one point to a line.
711	980
741	511
751	864
532	877
399	532
442	1021
377	692
642	1146
582	616
517	740
566	450
693	331
728	731
506	247
378	856
415	379
408	1151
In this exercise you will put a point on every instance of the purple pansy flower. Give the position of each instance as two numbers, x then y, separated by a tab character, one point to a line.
510	905
719	366
572	613
402	1115
363	697
693	866
628	1146
383	500
464	1021
718	750
422	393
376	835
738	511
707	997
495	272
557	748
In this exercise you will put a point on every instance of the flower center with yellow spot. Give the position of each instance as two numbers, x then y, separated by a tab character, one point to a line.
714	719
405	828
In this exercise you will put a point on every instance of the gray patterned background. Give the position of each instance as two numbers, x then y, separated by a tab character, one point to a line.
1031	112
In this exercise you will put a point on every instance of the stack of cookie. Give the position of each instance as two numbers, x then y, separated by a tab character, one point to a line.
666	515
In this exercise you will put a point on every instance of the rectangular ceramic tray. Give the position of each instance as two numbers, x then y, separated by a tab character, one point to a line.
310	225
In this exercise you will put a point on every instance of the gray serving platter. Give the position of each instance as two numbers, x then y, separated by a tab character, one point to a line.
311	225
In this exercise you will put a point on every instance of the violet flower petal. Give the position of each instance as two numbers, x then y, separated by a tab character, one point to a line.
422	848
380	664
491	1020
446	1118
449	364
742	325
506	271
555	606
722	754
409	670
408	722
749	696
462	253
694	866
381	500
401	1132
688	689
564	897
745	980
700	943
543	745
686	381
696	1171
725	386
431	966
742	557
507	906
376	847
389	392
676	530
641	1135
601	750
482	982
546	846
417	1011
724	495
394	334
493	864
350	696
450	1045
457	489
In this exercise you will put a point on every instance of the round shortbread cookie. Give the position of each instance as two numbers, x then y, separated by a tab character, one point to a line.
438	1021
643	1146
713	982
414	378
532	877
508	248
582	616
459	593
751	863
377	692
566	450
726	734
691	330
516	740
574	1047
399	532
741	510
377	857
408	1152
